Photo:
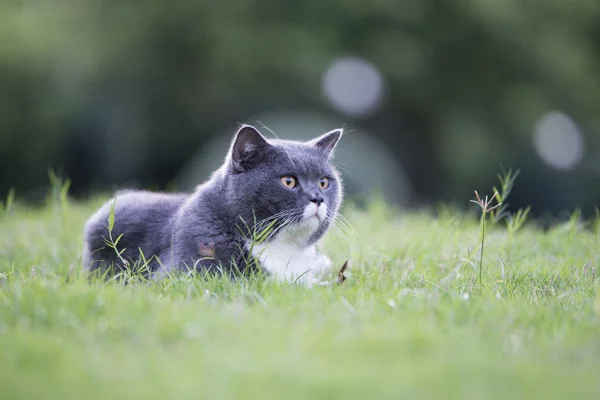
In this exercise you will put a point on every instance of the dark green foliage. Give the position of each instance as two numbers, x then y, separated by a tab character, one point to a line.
111	91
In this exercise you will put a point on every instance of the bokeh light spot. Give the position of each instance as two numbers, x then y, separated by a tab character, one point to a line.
353	86
558	141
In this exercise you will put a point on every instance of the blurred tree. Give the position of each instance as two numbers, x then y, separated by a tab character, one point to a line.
115	91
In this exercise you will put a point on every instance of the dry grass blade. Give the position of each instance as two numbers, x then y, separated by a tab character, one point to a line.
341	277
485	206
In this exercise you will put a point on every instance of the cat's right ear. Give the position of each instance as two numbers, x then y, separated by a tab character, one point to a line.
247	147
328	141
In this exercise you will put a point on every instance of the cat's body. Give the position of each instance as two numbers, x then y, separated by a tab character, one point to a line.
288	187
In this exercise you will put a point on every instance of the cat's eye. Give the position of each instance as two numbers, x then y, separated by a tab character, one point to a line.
288	181
324	183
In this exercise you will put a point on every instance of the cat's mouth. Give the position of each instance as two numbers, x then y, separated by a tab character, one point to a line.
315	217
303	228
313	211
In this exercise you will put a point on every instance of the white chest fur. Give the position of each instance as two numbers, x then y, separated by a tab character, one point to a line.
288	262
287	259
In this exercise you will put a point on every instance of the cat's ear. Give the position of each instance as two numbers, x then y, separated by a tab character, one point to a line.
328	141
247	146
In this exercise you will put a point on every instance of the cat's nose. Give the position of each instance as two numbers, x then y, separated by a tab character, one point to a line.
317	199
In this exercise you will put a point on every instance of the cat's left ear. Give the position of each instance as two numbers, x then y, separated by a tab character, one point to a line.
328	141
247	147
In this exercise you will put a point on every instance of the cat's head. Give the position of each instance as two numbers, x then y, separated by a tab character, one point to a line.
290	184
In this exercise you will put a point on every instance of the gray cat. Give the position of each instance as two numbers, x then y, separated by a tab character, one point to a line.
286	189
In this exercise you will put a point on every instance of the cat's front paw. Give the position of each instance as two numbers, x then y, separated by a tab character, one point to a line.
321	265
323	262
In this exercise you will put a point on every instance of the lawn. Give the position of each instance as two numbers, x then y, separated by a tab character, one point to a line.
410	322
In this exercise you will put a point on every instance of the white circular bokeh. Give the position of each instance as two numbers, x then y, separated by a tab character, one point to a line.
353	86
558	141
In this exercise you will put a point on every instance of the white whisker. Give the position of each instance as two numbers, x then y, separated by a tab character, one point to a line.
344	168
345	223
280	215
339	231
288	222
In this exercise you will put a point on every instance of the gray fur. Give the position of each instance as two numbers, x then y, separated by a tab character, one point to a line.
179	228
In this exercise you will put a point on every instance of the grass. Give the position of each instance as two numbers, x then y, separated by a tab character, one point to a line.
409	322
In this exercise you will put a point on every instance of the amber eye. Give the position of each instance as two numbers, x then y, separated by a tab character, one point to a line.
324	183
288	181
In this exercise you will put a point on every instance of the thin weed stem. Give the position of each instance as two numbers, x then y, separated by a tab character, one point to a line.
482	247
485	205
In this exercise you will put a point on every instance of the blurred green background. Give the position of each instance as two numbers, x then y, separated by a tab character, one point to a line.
435	95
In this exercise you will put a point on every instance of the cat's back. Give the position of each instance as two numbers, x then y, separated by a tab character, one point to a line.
142	217
133	205
145	199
